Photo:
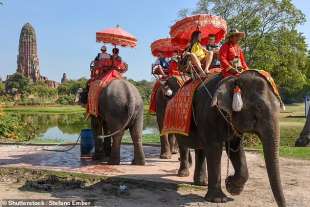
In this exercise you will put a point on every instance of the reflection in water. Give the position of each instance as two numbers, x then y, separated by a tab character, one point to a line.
67	127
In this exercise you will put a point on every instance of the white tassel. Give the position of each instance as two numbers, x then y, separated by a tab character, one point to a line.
169	92
237	103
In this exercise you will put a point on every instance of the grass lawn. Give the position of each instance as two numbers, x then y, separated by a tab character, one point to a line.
46	109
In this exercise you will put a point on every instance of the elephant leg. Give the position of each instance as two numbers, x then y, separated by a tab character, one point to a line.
99	153
236	182
165	152
174	148
200	168
116	149
214	154
107	146
136	135
184	161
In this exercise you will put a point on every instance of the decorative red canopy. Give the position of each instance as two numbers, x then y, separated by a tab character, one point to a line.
182	30
116	36
165	47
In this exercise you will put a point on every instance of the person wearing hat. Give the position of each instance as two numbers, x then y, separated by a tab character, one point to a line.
103	55
231	56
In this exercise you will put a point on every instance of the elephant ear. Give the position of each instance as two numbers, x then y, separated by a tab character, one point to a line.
223	96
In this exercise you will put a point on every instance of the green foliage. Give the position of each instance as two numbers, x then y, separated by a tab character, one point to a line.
145	89
12	128
2	87
272	41
70	87
66	100
18	82
41	89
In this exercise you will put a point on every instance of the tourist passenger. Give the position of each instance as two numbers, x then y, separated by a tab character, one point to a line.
103	55
115	55
161	65
200	57
215	48
231	55
173	65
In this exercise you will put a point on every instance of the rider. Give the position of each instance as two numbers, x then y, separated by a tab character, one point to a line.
215	48
103	55
231	55
161	65
115	55
199	55
173	65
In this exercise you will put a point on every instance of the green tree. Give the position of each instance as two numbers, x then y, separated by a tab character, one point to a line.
272	41
70	87
19	82
41	89
2	87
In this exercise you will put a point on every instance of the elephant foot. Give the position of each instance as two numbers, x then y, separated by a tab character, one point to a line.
217	196
183	172
138	162
99	157
232	186
115	161
165	156
175	151
200	182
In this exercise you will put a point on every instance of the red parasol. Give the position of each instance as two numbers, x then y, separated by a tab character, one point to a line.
165	47
116	36
182	30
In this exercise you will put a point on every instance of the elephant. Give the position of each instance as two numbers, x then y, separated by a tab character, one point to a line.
216	123
120	108
304	137
168	142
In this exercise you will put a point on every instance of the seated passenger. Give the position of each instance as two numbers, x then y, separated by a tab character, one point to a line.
215	48
103	55
173	65
231	55
115	55
161	65
117	62
200	57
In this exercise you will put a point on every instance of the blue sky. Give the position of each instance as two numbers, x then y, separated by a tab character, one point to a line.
66	31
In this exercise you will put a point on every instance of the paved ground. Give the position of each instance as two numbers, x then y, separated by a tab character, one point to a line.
295	179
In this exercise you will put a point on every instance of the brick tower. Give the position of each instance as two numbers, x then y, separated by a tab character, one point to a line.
27	58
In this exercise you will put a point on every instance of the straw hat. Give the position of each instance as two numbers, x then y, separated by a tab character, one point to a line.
234	32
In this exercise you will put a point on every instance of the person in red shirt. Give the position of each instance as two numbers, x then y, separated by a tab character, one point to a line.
231	56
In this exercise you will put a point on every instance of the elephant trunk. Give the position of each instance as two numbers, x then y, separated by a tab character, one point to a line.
270	139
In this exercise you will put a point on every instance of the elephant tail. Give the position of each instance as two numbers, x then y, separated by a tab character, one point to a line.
131	110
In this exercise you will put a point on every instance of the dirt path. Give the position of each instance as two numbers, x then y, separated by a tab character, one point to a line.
166	191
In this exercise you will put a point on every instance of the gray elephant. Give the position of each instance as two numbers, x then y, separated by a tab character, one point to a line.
304	137
168	142
214	118
120	108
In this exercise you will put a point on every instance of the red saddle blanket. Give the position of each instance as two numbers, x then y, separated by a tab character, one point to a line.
95	89
152	108
178	114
